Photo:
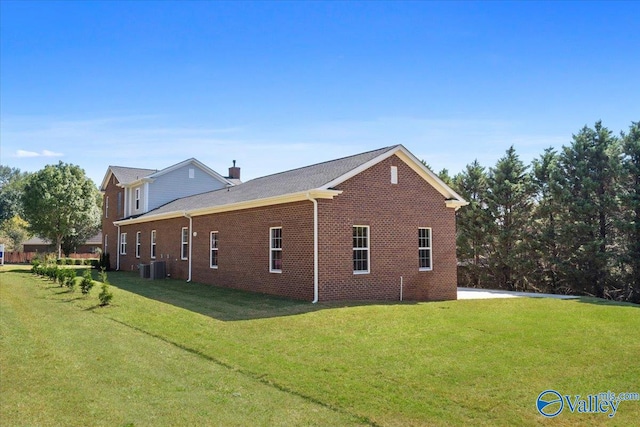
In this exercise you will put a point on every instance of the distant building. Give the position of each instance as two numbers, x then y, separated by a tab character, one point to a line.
37	244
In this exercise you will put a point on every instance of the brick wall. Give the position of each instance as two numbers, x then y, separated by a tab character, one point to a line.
394	212
110	231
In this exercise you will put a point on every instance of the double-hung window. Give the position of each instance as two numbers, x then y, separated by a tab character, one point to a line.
361	256
275	250
123	243
138	243
424	249
184	253
137	198
213	258
153	244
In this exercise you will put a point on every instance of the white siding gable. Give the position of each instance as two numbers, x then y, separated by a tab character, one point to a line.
178	183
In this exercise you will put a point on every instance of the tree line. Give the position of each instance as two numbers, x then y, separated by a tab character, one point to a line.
569	223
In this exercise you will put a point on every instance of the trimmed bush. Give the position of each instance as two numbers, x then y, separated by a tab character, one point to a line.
87	282
105	295
70	278
78	261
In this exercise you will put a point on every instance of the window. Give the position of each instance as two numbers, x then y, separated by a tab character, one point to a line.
119	204
153	244
424	248
275	250
106	207
106	243
192	173
360	249
394	174
138	244
213	261
184	254
137	198
123	244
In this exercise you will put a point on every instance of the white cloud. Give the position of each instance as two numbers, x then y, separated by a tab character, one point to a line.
43	153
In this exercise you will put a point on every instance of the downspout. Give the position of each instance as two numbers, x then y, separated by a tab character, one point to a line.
186	215
315	249
118	251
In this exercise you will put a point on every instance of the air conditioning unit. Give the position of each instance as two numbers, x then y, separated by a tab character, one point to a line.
145	271
158	270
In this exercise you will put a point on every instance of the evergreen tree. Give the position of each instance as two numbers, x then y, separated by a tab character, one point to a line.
587	182
509	206
472	223
630	219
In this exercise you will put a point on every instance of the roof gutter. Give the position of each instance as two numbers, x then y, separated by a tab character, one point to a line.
315	248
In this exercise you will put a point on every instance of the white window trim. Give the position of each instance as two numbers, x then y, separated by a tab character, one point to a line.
123	243
430	248
138	243
394	174
368	249
184	244
137	200
272	250
211	248
153	244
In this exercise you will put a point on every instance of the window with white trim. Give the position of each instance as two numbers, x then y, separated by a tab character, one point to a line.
106	243
394	174
153	244
275	249
138	243
184	253
123	243
361	258
106	207
424	249
137	198
213	257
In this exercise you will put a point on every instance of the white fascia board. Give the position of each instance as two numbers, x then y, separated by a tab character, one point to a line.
269	201
361	168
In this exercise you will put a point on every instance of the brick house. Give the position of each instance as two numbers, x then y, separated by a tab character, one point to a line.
365	227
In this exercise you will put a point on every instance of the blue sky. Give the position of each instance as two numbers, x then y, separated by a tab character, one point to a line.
278	85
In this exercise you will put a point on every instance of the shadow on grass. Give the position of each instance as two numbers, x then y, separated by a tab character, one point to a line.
223	303
607	302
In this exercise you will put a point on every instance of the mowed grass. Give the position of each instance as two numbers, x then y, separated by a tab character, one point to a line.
176	353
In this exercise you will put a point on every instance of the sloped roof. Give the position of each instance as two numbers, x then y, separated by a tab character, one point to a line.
125	175
95	240
289	182
297	184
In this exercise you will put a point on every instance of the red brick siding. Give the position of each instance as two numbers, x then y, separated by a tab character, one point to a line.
243	255
168	246
394	213
108	229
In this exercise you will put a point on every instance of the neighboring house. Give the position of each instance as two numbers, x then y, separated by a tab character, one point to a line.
367	227
37	244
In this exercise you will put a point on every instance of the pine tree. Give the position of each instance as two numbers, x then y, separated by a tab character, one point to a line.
472	222
587	181
630	218
509	206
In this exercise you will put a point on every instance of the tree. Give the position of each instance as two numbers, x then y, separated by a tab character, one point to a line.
587	179
630	219
509	206
472	222
16	231
11	187
60	200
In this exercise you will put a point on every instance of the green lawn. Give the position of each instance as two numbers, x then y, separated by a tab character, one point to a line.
176	353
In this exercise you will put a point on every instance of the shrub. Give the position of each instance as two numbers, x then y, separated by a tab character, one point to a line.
105	262
59	261
68	261
78	261
95	263
61	274
87	282
105	295
70	278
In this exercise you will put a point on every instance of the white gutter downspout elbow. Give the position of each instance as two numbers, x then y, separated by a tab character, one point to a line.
186	215
118	250
315	249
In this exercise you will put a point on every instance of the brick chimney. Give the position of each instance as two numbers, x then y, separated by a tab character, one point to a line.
234	172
